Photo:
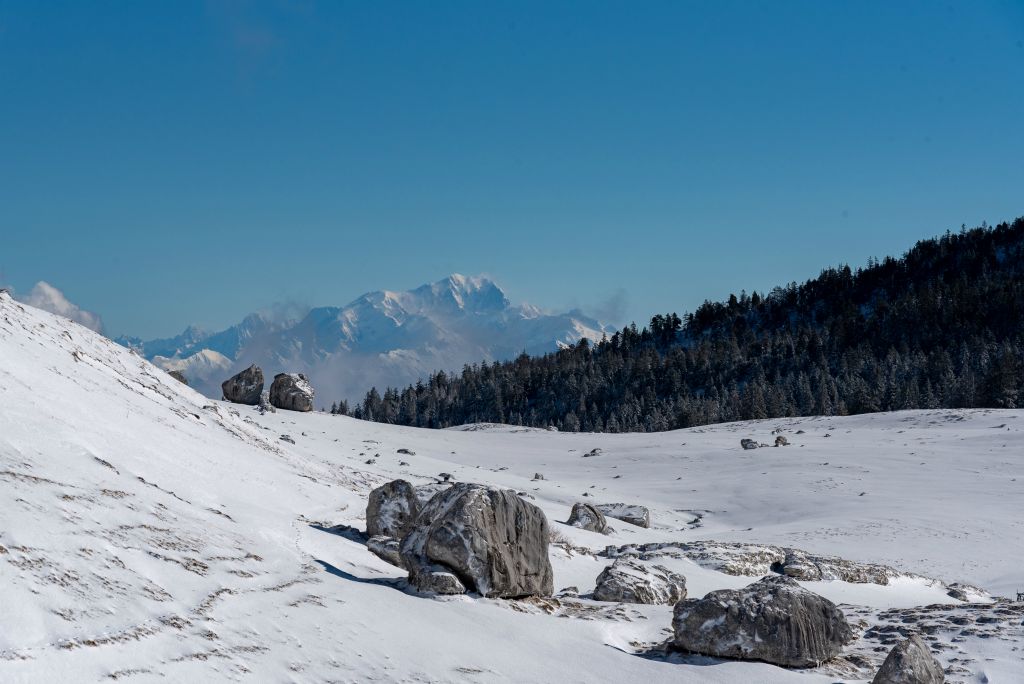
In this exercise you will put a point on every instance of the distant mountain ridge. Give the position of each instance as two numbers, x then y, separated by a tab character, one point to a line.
382	338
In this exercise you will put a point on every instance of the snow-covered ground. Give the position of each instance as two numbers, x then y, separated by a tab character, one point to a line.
150	534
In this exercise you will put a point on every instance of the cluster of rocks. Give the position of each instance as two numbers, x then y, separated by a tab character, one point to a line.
737	558
454	538
289	391
747	443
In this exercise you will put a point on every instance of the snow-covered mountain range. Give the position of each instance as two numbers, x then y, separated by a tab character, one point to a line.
381	339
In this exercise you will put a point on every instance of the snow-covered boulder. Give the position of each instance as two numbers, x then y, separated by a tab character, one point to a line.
245	387
587	517
633	514
910	662
390	509
774	620
492	540
292	392
630	581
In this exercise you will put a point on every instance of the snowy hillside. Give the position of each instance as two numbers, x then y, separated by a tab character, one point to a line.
151	534
381	339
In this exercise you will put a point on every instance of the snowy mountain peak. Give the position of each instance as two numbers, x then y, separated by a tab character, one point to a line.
382	338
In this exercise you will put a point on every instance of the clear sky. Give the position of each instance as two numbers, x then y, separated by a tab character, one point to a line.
166	163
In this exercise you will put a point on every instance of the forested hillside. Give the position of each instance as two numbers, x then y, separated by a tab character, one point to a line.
939	327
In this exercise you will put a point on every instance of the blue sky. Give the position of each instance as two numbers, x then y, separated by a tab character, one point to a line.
166	163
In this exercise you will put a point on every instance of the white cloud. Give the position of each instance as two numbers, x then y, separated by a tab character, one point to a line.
48	298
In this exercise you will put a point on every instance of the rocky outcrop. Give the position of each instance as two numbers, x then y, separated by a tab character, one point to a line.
735	558
633	514
630	581
910	662
587	517
774	620
385	548
245	387
748	444
179	376
491	540
292	392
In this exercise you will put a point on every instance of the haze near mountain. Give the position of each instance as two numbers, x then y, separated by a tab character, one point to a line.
381	339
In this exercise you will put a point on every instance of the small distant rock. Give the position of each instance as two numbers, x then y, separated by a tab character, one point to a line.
910	662
587	517
781	441
287	438
630	581
538	476
406	452
244	387
403	463
445	477
748	444
291	392
179	376
593	452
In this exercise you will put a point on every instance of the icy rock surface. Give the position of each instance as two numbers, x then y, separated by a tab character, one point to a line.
245	387
910	662
491	539
630	581
390	509
292	392
774	620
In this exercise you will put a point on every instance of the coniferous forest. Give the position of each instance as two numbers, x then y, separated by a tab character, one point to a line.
941	327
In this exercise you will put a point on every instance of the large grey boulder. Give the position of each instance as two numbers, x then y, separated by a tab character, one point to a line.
910	662
633	514
587	517
490	539
245	387
292	392
774	620
630	581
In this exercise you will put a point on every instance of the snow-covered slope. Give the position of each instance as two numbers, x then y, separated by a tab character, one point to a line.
382	339
150	534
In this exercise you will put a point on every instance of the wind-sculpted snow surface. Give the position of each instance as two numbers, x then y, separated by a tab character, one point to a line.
151	534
